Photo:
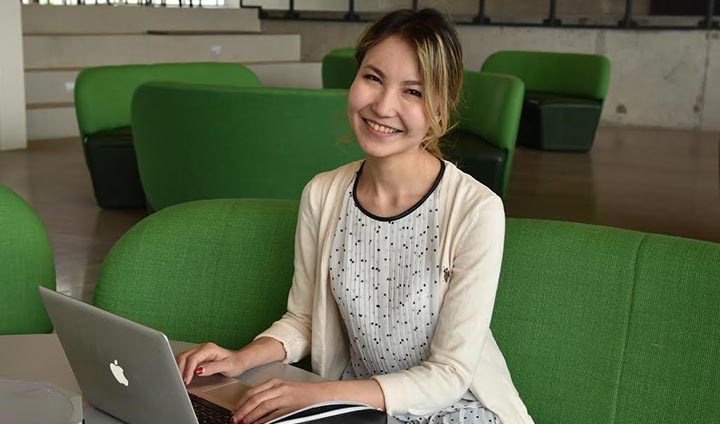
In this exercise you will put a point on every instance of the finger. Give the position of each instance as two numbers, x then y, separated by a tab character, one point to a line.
256	401
207	353
181	359
223	366
255	390
265	408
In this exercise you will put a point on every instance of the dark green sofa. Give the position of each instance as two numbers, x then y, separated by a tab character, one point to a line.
238	142
564	95
26	262
598	325
102	105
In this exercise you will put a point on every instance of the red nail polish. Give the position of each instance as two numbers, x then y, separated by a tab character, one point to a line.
199	370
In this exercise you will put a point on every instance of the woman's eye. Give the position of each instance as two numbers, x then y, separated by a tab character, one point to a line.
414	93
372	77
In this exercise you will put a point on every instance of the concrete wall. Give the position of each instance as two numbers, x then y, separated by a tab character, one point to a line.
668	79
13	134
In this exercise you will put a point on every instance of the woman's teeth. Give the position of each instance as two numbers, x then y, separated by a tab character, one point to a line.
381	128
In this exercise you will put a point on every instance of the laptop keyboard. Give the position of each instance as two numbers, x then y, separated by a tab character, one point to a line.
209	413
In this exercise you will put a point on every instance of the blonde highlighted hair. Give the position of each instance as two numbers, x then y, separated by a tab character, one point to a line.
440	60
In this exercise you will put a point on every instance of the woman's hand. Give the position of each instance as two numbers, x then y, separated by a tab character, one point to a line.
276	398
209	359
279	397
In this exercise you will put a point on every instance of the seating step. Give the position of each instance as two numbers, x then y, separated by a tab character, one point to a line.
135	20
67	51
52	123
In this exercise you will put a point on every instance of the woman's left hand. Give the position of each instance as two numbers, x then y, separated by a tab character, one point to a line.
276	398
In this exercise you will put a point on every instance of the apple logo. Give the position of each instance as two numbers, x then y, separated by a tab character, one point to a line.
119	373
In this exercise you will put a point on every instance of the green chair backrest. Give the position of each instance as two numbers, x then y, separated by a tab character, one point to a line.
490	108
103	94
236	142
26	262
339	68
602	325
213	270
572	74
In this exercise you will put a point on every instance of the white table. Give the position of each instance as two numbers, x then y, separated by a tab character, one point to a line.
41	357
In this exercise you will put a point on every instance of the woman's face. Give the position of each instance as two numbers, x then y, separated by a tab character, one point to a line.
385	104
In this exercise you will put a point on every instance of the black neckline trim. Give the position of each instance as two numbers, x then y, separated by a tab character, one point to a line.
402	214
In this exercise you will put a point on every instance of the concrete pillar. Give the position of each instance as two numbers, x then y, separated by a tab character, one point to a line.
13	132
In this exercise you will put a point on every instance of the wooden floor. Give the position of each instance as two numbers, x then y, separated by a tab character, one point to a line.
649	180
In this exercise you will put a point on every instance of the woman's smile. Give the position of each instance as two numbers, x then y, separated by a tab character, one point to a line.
379	129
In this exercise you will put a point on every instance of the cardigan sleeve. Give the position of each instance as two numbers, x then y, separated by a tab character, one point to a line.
293	330
463	322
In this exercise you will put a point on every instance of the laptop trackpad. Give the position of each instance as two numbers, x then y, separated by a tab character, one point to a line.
223	391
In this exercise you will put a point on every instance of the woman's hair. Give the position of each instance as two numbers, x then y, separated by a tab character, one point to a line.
439	57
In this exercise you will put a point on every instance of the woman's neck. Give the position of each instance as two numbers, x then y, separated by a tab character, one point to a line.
389	186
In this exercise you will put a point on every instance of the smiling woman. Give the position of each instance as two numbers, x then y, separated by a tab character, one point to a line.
397	257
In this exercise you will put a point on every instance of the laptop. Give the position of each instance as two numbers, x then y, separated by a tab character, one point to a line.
129	371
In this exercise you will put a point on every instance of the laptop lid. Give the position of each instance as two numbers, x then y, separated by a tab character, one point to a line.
123	368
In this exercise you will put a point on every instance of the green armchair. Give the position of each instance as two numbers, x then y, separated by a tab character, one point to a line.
213	270
26	262
483	144
102	104
564	95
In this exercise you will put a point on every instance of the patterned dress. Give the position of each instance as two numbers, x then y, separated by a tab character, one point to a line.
384	275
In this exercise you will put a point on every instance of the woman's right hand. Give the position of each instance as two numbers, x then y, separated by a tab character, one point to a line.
209	359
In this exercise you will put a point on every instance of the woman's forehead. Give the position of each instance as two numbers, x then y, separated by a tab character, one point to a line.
395	58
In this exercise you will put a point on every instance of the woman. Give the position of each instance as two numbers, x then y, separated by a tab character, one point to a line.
397	257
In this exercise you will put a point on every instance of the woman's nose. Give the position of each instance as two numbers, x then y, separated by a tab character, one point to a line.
385	104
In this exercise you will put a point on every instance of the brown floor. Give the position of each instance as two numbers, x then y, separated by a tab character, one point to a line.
649	180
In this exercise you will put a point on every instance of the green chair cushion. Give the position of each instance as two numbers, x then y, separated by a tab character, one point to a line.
26	262
214	270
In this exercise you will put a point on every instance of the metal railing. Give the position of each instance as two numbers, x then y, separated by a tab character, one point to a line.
351	14
156	3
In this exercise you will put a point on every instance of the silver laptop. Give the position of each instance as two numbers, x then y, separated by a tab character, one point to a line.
128	370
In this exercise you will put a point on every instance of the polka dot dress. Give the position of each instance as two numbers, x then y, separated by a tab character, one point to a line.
385	278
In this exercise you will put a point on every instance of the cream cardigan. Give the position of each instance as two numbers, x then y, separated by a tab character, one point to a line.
463	352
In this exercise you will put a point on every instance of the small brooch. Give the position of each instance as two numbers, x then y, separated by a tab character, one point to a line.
446	274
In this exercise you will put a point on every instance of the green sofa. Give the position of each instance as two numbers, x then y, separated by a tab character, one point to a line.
26	262
102	106
238	142
563	99
598	324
